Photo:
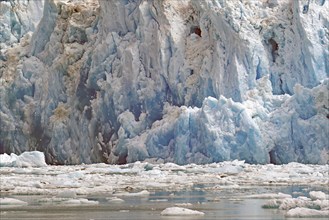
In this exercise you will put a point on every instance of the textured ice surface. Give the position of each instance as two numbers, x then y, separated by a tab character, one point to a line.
306	213
168	81
315	206
138	179
26	159
18	17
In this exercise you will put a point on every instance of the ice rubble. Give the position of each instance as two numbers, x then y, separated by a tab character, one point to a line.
315	206
307	213
79	185
141	178
169	81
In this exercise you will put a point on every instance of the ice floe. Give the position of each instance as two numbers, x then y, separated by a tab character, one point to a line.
178	211
11	201
315	206
306	212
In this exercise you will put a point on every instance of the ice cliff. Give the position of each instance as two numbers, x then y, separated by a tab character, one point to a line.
17	18
184	81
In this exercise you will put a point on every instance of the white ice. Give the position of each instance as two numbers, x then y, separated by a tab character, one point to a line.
178	211
71	185
315	206
11	201
26	159
306	212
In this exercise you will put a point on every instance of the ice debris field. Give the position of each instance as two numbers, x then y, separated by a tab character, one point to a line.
27	175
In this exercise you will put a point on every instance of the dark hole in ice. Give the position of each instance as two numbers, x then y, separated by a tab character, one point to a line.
274	44
2	148
88	112
122	159
274	48
321	2
305	9
272	157
196	30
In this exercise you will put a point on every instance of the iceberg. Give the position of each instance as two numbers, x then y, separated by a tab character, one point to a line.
167	81
26	159
178	211
307	213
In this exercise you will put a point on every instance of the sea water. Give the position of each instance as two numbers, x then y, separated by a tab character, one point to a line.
218	204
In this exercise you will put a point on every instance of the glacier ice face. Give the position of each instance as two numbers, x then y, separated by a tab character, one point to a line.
220	130
18	17
303	126
176	81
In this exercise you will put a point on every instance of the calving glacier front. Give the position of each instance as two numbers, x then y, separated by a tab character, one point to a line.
175	81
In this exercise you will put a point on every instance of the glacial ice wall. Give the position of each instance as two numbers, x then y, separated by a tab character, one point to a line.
17	18
175	81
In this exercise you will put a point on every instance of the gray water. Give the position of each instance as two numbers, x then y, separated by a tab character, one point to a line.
221	204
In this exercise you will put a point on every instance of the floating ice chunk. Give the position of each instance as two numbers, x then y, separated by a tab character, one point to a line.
141	193
67	183
52	200
115	200
322	204
272	204
269	196
227	169
26	159
154	172
7	160
290	203
11	201
183	204
317	195
31	159
158	200
306	212
229	186
300	202
178	211
72	202
75	175
88	202
80	202
173	167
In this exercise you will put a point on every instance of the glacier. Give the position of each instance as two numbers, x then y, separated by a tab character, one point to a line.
166	81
